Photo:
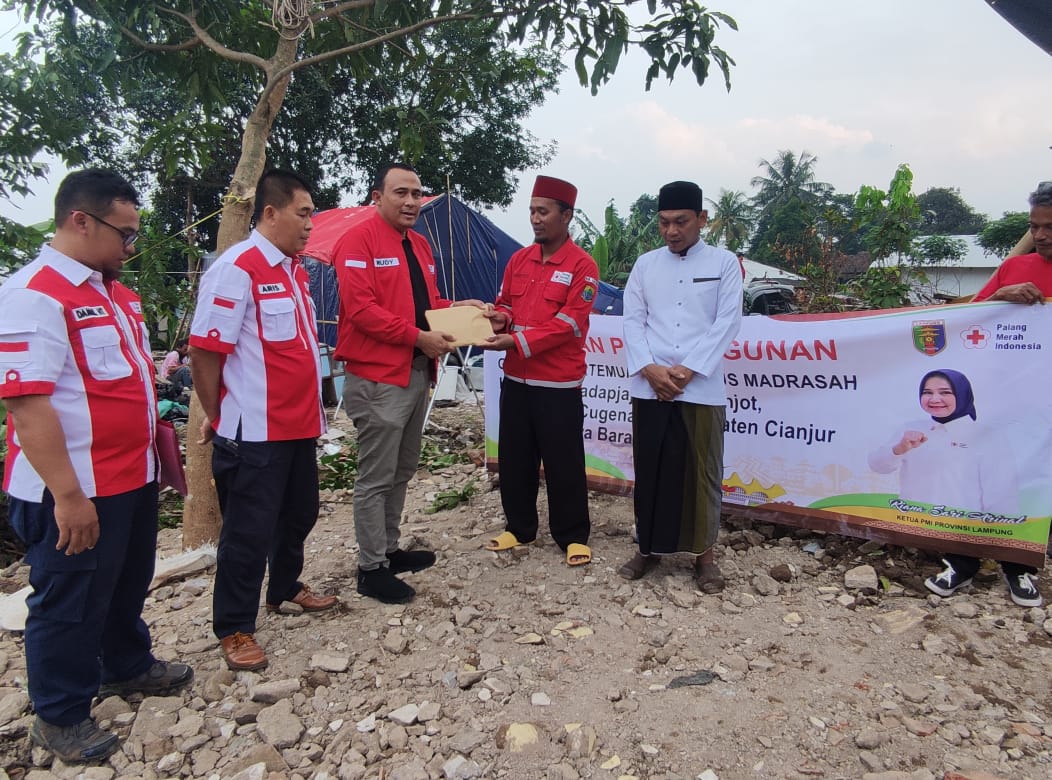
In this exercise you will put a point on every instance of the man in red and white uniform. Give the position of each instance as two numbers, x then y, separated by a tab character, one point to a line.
541	318
77	379
257	371
386	274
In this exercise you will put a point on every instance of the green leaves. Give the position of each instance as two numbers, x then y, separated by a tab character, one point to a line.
447	82
451	498
616	247
999	236
890	216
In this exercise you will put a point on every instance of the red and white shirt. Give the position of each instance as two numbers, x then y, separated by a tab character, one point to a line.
67	334
254	308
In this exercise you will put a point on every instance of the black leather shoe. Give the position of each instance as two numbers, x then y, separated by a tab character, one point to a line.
410	560
382	585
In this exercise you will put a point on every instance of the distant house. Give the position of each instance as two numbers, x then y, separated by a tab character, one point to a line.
957	279
755	271
850	267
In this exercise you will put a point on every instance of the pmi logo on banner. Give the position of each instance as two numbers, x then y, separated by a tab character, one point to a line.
929	336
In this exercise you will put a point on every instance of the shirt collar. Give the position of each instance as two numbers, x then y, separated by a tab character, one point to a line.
273	255
559	255
692	252
74	271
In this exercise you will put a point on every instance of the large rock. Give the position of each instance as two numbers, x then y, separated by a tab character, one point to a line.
414	770
12	706
466	740
861	578
149	740
330	662
405	716
517	737
765	585
279	725
258	754
274	690
460	768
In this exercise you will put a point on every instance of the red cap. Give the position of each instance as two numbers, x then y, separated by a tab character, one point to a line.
556	189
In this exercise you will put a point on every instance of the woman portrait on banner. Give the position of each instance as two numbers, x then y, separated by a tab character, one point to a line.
948	458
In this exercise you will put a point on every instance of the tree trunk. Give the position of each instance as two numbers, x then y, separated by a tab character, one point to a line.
201	516
1024	246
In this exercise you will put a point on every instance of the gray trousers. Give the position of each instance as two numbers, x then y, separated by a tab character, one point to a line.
390	423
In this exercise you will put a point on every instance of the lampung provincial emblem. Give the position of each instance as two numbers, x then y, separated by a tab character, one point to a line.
929	336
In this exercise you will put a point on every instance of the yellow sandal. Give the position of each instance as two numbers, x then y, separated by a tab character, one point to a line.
504	541
579	551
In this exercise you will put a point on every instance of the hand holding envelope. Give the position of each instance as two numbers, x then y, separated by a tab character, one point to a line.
468	325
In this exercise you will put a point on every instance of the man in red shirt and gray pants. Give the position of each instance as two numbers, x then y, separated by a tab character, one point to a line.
386	274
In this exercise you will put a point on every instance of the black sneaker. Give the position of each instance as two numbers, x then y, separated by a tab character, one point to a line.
80	744
410	560
162	678
1023	590
946	582
382	585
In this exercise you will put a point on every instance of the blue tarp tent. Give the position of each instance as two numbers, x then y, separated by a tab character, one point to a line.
470	253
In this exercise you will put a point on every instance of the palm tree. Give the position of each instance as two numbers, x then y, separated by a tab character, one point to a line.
788	178
731	221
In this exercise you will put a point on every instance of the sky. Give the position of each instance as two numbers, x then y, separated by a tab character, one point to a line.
945	86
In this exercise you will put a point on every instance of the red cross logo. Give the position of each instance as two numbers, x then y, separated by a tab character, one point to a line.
975	337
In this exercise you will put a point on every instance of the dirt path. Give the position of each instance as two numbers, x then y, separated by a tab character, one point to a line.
811	679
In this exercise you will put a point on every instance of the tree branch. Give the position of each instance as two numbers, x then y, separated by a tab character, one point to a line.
394	34
216	46
339	8
159	47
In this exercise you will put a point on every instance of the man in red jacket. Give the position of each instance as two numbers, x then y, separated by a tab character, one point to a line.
541	320
386	274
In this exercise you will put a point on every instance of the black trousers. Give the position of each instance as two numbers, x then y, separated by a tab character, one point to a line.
85	621
268	494
967	566
543	425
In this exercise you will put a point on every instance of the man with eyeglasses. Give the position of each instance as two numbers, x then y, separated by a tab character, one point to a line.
76	376
1020	279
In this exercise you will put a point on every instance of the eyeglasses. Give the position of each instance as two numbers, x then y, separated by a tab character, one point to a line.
128	237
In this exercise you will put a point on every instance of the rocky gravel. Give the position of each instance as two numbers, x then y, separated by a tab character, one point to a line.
823	658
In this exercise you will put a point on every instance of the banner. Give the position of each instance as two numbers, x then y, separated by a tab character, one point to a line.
826	429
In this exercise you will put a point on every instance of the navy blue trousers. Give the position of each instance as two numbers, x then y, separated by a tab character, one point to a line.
268	493
85	622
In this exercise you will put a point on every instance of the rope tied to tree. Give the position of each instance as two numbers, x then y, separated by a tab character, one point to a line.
290	15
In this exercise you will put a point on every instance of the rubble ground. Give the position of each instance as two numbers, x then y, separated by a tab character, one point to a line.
826	658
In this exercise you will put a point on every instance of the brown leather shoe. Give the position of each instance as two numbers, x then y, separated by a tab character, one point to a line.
308	602
241	651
